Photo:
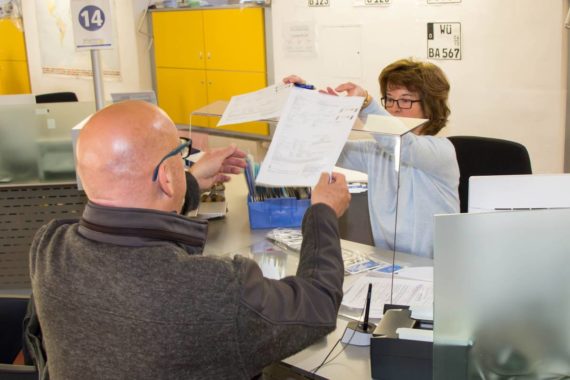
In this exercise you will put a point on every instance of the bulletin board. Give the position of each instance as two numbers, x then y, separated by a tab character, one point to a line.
506	60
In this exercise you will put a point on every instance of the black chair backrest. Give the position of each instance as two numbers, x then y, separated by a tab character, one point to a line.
12	312
487	156
18	372
56	97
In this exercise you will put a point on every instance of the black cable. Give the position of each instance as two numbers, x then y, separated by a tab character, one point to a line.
325	362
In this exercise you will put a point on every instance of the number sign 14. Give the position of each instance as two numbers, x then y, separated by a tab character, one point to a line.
92	27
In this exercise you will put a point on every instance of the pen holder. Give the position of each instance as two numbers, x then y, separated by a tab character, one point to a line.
280	212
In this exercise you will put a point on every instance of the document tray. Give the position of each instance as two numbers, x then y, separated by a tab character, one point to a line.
279	212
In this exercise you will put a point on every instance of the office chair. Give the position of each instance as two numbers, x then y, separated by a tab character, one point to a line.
56	97
12	312
18	372
487	156
354	224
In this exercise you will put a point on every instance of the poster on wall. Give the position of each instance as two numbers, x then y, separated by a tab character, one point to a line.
58	55
10	9
299	39
364	3
444	40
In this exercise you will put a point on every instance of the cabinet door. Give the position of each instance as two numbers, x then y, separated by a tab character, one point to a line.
181	91
178	39
235	39
14	77
222	85
12	47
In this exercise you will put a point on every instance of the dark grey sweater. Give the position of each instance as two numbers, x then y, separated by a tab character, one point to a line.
125	294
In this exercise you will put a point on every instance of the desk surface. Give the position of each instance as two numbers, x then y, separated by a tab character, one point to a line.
232	234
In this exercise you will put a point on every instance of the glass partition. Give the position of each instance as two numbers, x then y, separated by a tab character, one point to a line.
35	141
502	302
374	148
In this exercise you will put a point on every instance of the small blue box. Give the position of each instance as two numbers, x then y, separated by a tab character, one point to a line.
278	212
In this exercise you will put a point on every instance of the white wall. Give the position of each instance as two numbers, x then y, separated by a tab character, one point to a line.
511	82
133	55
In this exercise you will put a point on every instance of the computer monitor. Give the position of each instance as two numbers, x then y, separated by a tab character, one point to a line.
147	96
518	192
6	100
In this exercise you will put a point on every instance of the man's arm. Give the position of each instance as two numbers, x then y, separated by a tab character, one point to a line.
211	168
279	318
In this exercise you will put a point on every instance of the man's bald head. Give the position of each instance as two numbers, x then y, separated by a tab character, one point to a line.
119	148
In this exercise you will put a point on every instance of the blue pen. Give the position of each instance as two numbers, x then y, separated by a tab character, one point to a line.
306	86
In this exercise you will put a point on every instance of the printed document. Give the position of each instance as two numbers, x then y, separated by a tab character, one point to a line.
264	104
406	292
309	137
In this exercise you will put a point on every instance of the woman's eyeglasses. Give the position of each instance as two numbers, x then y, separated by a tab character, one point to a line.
404	104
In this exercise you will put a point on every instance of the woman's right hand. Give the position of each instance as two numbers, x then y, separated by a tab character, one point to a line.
351	89
293	79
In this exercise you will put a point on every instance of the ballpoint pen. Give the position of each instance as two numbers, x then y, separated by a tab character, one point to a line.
367	309
305	86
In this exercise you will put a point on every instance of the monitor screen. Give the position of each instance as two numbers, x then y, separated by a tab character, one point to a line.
518	192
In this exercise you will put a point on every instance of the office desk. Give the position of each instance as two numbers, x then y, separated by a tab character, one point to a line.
232	234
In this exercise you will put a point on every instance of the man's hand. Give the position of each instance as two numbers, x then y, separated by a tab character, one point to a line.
333	191
213	166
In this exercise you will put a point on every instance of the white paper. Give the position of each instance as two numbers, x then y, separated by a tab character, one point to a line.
390	125
352	175
406	292
416	273
263	104
309	137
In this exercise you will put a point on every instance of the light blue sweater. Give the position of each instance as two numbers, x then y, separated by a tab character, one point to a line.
429	177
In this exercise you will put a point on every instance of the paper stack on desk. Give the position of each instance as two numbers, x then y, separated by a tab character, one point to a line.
415	293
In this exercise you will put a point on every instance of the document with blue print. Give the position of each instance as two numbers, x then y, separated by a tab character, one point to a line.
264	104
312	129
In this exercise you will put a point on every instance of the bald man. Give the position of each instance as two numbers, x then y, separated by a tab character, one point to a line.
124	291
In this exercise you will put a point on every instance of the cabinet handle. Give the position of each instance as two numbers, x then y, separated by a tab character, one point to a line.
209	83
209	55
200	55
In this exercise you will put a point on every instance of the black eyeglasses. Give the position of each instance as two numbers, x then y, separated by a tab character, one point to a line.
404	104
184	150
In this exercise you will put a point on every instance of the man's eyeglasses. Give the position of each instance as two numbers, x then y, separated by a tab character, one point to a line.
404	104
184	150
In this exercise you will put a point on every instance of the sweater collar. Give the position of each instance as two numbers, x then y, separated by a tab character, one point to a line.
136	227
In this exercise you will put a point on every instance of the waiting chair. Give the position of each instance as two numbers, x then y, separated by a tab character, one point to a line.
18	372
487	156
56	97
12	312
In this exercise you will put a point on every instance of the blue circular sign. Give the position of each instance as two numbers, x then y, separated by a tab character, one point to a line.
91	18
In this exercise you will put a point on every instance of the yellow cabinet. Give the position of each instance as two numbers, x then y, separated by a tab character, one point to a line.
202	56
178	39
235	39
14	77
189	87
